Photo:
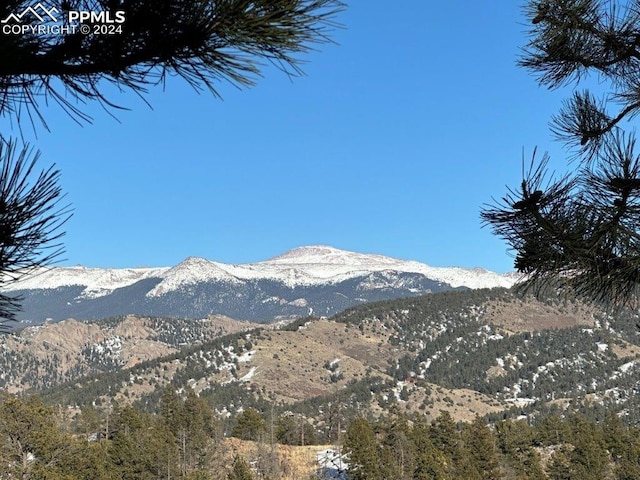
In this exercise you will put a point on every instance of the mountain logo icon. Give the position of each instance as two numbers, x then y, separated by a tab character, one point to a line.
39	11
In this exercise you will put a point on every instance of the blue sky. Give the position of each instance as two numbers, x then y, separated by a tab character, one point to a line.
389	144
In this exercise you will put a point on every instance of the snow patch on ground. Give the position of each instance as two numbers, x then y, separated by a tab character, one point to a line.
332	464
248	376
624	368
246	356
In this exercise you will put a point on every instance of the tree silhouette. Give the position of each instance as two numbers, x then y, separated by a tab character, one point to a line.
203	42
31	215
581	233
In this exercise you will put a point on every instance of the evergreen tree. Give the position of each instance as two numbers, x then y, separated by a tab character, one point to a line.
30	443
559	467
552	430
171	409
446	438
616	436
88	422
86	460
397	441
513	437
141	448
589	457
201	41
240	470
31	217
191	424
580	233
199	432
515	441
430	463
479	445
627	464
250	425
295	430
362	449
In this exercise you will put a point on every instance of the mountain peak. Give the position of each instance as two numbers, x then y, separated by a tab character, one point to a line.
325	254
314	266
308	250
317	279
195	261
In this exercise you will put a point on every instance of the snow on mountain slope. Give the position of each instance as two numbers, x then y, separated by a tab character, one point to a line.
313	265
324	262
190	271
98	281
322	254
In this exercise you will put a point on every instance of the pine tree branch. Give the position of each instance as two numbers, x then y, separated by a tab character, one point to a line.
31	218
202	41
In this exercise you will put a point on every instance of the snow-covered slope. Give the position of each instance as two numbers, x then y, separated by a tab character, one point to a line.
322	263
315	280
98	282
304	266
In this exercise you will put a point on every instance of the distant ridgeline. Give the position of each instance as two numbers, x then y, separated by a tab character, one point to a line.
319	281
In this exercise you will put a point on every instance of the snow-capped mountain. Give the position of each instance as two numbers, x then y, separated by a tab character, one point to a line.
97	282
316	280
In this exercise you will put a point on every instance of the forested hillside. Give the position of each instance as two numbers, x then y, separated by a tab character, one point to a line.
185	439
473	352
460	355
